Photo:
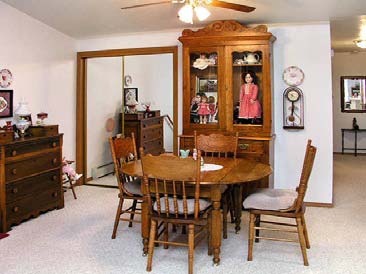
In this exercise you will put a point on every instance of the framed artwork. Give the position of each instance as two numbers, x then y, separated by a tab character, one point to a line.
130	96
206	85
6	103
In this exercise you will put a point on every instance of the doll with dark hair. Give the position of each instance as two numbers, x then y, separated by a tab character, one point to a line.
203	110
249	106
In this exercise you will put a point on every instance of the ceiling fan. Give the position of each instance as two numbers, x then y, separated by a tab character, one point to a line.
185	14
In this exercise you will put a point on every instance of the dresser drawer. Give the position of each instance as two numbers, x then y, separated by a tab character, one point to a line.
32	205
154	147
23	168
28	147
151	122
151	134
32	185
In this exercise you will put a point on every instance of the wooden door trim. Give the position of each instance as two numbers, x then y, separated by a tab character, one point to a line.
81	95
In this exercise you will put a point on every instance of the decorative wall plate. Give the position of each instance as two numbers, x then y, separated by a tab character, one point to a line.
293	76
128	80
5	78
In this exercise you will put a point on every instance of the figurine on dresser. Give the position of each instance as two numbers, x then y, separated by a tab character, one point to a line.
249	107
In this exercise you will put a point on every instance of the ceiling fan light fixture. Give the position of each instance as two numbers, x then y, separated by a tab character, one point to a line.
185	14
361	43
202	13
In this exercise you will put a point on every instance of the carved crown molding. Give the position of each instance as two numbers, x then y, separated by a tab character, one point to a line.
226	27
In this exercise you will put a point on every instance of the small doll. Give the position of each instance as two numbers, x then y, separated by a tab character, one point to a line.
203	110
69	171
212	107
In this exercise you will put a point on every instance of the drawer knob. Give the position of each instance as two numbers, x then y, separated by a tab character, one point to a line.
15	209
54	144
14	153
54	177
54	194
54	161
15	190
14	171
244	146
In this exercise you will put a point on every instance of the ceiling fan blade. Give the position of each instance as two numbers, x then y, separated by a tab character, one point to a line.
232	6
145	5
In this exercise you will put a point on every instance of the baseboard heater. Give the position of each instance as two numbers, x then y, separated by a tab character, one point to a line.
102	171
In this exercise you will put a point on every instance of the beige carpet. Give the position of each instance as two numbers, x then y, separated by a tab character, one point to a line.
77	239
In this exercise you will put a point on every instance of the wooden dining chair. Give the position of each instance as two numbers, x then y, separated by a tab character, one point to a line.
282	203
124	150
172	186
219	145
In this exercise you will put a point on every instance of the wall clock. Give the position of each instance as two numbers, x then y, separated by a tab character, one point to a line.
5	78
293	108
293	76
128	80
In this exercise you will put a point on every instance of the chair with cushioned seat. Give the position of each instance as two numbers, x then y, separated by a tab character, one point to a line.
124	150
282	203
173	197
219	145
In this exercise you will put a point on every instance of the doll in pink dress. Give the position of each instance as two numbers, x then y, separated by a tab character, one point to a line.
203	110
249	107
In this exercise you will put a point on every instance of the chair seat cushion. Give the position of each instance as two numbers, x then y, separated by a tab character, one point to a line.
204	204
134	186
271	199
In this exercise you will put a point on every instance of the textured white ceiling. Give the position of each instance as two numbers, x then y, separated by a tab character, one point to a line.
89	18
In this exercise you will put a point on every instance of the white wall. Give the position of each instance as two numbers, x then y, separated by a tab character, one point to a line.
153	76
308	47
346	64
104	88
42	61
43	64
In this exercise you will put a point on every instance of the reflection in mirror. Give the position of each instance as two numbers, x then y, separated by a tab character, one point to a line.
353	97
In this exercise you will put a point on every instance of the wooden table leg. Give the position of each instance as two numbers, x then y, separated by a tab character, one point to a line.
216	223
145	222
238	190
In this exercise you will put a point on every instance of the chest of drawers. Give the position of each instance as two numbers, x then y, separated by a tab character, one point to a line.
30	178
149	132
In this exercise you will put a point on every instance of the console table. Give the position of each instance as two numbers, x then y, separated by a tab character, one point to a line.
355	132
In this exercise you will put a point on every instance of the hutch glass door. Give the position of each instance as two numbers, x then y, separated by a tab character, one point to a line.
204	87
247	86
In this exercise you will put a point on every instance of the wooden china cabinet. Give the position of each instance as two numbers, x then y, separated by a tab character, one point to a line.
215	61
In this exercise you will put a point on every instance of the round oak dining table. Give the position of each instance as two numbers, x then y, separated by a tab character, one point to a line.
233	171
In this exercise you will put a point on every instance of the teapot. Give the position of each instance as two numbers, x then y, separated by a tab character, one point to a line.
251	58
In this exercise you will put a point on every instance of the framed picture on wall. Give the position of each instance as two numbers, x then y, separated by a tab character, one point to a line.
130	96
6	103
